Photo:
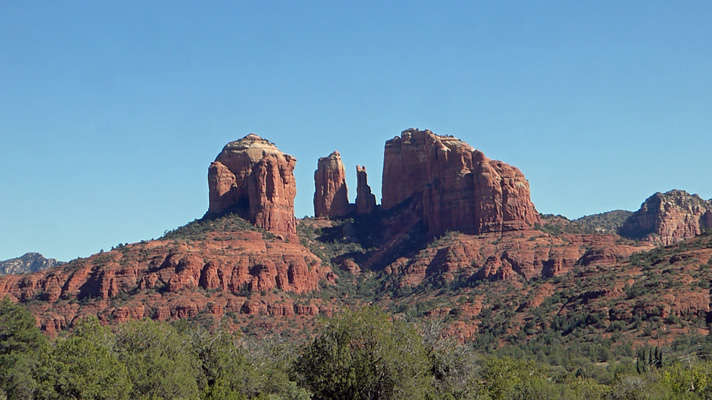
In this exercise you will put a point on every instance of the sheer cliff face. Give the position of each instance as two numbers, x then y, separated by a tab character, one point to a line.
667	218
460	188
253	178
331	195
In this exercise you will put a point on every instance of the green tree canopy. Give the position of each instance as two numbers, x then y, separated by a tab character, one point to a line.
161	362
84	365
366	354
20	343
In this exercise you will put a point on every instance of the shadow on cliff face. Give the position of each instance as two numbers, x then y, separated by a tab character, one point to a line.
377	239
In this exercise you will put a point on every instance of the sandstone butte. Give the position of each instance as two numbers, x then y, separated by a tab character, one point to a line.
455	186
253	178
331	195
448	185
670	217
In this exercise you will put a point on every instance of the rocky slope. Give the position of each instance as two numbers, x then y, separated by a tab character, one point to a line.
517	286
608	222
667	218
649	296
209	268
27	263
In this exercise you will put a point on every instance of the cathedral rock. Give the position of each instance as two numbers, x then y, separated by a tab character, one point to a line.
457	187
254	179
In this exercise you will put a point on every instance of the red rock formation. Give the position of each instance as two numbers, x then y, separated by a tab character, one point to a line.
331	195
460	189
271	192
523	255
667	218
177	278
222	188
365	200
215	269
252	177
502	199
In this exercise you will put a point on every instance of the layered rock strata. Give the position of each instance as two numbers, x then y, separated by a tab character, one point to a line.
331	194
226	271
524	255
365	200
254	179
459	188
667	218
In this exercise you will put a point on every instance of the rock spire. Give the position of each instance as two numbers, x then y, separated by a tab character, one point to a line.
365	200
331	194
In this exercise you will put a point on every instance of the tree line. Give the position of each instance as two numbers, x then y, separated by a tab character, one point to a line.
359	354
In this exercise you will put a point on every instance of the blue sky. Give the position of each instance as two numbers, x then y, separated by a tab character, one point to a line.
111	111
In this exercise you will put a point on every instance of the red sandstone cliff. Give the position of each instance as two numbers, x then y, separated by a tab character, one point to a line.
331	194
667	218
253	178
459	188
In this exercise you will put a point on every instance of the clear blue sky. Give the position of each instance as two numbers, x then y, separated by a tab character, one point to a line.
111	111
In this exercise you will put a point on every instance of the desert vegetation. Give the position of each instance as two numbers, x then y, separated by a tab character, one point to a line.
364	353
